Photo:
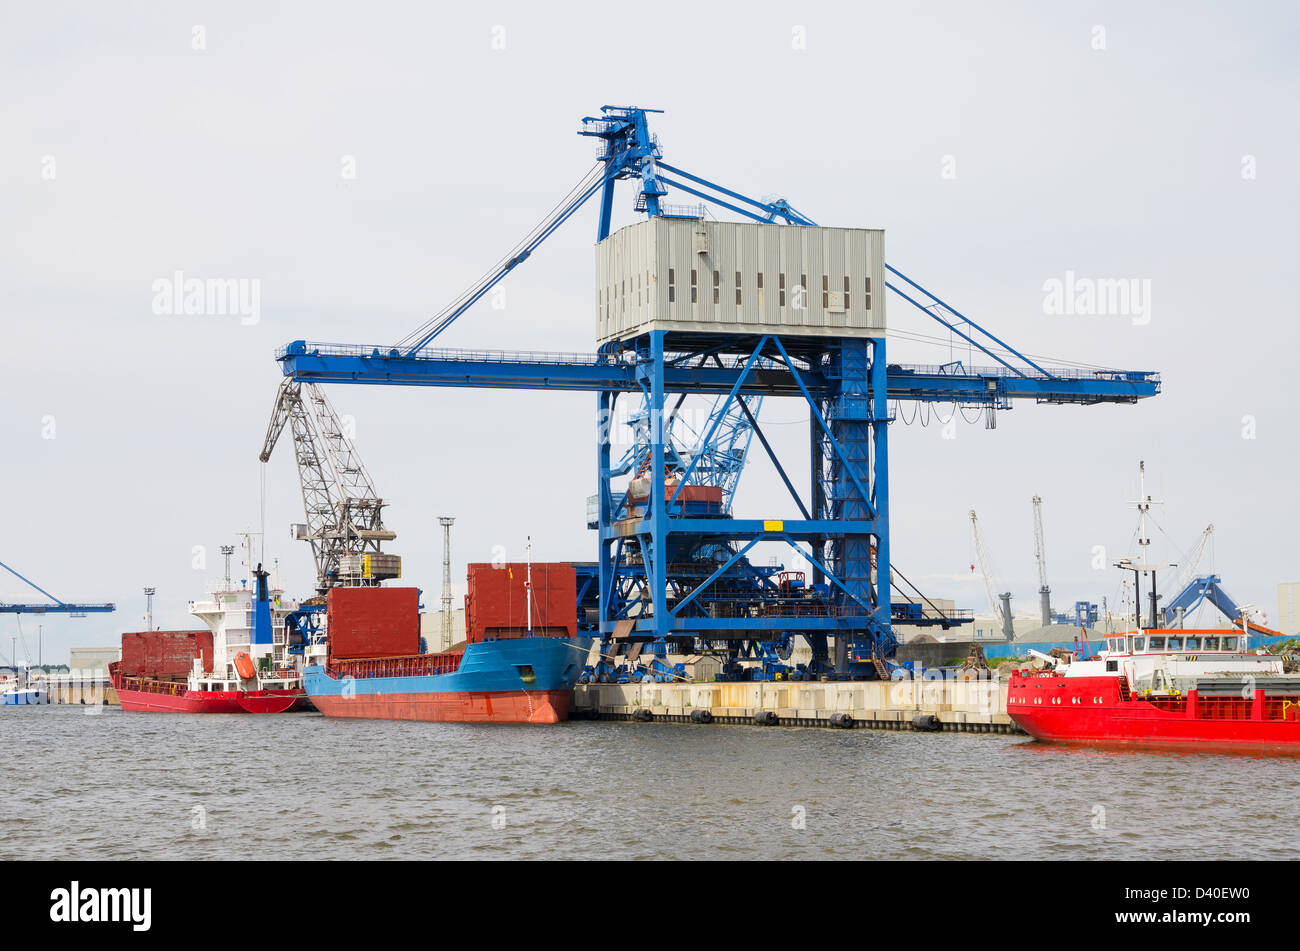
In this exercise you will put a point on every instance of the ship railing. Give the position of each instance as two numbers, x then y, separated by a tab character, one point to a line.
170	688
542	357
418	665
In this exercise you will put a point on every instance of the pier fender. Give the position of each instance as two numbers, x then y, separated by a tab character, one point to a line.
766	718
926	723
842	720
642	715
701	716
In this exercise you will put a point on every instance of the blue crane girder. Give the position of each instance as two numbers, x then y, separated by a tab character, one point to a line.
523	370
57	607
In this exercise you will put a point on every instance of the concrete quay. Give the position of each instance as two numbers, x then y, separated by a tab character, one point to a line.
931	705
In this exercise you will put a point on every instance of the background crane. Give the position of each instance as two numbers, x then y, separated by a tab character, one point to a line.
1000	603
344	512
64	607
1040	554
1193	560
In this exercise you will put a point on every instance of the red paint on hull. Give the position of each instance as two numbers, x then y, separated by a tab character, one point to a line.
515	706
1091	710
167	697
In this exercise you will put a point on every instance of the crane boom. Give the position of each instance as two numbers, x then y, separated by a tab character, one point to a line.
58	607
1194	559
1001	603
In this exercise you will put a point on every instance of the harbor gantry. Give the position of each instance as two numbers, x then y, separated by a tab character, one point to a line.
768	306
54	607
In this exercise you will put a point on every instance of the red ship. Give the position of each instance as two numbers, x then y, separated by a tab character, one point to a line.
1164	686
241	664
1186	689
151	695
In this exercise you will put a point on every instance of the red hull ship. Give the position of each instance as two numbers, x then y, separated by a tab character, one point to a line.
144	694
1180	689
239	665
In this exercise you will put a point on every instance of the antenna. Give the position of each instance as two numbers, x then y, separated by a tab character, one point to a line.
227	551
148	610
1143	504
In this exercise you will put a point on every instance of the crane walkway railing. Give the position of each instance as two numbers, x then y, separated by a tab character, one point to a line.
389	352
570	358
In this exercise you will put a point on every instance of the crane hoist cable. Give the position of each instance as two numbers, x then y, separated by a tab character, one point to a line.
932	340
571	202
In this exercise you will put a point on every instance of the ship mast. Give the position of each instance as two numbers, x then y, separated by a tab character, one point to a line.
1143	504
528	584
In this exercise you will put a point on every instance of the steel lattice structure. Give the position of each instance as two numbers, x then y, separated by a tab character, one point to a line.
344	512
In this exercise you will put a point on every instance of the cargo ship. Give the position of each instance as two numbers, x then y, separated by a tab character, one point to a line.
239	664
523	652
1179	688
1163	685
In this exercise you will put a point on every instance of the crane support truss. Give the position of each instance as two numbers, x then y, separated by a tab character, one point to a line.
841	528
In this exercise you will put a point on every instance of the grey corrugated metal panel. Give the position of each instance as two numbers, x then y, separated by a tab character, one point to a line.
770	267
633	266
789	245
813	268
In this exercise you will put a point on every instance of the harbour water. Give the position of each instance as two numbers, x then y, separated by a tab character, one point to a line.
118	785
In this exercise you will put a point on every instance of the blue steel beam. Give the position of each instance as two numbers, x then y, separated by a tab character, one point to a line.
330	363
62	607
58	607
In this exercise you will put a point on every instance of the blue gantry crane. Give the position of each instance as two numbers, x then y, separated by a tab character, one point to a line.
1209	588
56	607
673	559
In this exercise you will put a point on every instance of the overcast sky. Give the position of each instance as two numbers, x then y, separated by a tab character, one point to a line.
364	162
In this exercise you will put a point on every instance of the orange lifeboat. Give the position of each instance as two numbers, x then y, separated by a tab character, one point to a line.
244	666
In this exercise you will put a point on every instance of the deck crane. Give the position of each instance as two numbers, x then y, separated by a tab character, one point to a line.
841	526
1040	555
1000	603
344	513
58	607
